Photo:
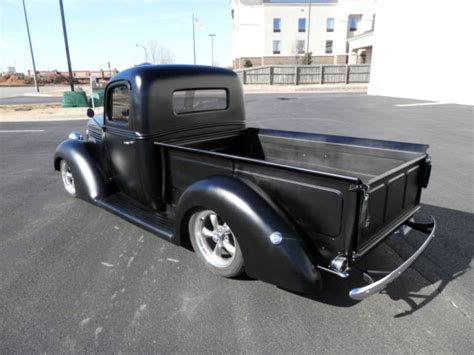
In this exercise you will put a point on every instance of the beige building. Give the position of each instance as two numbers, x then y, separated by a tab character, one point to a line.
269	32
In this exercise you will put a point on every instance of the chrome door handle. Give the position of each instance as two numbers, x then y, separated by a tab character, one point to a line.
128	142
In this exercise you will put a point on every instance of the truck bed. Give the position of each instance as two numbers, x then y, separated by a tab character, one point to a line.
314	178
361	158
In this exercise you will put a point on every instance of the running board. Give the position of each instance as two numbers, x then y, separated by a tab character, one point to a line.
154	222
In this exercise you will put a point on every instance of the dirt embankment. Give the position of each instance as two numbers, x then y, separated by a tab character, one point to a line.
50	78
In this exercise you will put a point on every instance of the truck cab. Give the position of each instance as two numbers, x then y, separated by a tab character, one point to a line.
173	155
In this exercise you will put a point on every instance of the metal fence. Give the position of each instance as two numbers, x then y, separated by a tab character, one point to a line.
305	74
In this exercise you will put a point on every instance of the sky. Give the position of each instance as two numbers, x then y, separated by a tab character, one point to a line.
102	31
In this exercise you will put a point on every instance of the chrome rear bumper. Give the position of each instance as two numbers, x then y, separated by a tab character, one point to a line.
377	286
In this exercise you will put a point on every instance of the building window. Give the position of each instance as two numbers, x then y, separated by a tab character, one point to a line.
276	47
328	47
353	21
330	24
276	25
302	25
301	46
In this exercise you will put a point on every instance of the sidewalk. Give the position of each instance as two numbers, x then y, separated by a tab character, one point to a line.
43	112
325	88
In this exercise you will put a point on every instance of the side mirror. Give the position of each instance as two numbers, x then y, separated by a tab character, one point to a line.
90	113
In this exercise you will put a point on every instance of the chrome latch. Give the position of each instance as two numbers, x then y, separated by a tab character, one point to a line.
338	266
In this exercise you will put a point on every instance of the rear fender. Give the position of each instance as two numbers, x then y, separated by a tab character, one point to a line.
82	158
253	217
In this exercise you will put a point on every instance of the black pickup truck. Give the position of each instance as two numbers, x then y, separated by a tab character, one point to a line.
173	155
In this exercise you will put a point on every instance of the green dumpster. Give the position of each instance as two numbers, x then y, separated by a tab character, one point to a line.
74	99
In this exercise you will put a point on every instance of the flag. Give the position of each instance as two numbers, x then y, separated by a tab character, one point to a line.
197	23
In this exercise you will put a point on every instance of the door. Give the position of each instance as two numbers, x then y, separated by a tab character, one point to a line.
120	140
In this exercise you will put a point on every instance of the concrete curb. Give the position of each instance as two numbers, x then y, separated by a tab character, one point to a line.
317	88
306	92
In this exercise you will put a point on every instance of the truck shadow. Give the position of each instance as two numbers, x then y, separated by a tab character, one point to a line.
447	258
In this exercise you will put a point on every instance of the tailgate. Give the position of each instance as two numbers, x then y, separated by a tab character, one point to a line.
389	200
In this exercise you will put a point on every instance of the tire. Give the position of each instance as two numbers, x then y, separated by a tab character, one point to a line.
215	244
67	178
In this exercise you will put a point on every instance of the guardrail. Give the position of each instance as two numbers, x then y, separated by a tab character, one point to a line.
305	74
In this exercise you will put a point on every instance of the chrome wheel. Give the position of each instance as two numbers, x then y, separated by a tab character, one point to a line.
215	243
68	179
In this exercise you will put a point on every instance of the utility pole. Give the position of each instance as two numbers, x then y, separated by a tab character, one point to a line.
144	48
309	28
31	47
71	82
212	35
194	41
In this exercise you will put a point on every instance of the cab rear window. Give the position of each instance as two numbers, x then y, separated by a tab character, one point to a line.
198	100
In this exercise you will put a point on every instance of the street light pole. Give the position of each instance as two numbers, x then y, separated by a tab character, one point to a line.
212	35
144	48
71	82
309	28
194	41
31	47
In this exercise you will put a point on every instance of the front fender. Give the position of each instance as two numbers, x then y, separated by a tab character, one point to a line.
253	217
82	158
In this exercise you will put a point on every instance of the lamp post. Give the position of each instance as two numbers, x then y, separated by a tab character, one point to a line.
144	48
71	82
212	35
309	28
194	40
31	47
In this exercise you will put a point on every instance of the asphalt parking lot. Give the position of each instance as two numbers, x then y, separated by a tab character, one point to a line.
74	278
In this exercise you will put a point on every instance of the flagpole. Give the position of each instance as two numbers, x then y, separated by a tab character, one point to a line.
194	42
68	57
31	48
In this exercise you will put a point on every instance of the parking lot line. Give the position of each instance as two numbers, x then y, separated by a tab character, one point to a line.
21	130
422	104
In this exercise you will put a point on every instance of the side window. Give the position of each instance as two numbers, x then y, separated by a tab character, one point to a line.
119	104
188	101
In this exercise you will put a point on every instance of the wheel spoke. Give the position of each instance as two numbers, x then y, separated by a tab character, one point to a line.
214	222
206	232
218	250
226	229
229	247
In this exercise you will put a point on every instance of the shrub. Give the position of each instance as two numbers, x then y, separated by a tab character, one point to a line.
307	58
248	64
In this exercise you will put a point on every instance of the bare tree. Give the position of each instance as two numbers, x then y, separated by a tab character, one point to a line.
159	54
